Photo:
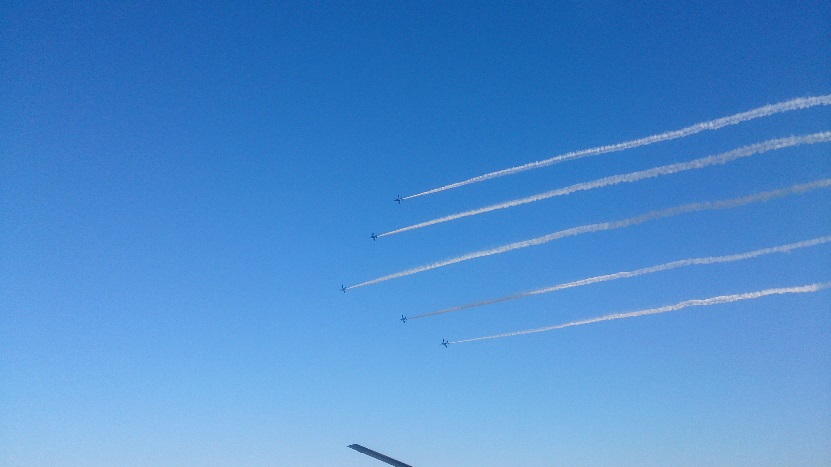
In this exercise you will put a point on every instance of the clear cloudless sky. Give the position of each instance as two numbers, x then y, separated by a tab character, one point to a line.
184	187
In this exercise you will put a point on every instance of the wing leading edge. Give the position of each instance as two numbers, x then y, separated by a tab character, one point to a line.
378	455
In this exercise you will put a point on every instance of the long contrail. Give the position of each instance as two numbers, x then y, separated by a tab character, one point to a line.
654	311
639	272
765	111
718	159
651	215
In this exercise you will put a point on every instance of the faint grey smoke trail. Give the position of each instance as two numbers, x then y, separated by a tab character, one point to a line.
765	111
653	311
639	272
719	159
651	215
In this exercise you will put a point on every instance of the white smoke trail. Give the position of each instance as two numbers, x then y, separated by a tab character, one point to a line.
653	311
639	272
651	215
719	159
765	111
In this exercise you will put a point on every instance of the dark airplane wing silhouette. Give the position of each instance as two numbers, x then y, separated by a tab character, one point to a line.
378	455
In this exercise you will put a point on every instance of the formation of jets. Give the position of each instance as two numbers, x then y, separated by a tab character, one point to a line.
397	200
403	318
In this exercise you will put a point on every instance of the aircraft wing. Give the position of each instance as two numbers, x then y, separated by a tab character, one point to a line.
378	455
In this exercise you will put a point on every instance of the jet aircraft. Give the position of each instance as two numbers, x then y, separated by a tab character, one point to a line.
444	343
399	199
403	319
373	237
343	288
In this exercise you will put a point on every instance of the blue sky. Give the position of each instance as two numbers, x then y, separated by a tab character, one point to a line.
184	189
